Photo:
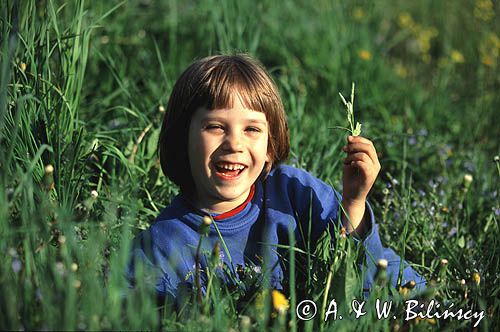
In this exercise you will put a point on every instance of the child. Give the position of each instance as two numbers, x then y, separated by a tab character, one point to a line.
223	139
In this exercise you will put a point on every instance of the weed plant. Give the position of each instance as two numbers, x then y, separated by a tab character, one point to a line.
83	89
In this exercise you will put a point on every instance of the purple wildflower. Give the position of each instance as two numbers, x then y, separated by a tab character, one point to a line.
16	265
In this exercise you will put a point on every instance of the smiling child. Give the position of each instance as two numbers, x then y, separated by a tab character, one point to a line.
223	141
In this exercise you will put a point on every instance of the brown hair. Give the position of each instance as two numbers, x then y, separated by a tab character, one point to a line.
210	83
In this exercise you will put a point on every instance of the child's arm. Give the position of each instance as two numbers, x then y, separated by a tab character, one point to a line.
361	167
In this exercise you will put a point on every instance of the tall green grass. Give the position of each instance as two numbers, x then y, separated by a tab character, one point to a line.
83	87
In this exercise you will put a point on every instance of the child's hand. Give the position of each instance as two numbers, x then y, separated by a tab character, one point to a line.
361	167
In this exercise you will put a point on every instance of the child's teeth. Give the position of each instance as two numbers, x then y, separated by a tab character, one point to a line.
232	167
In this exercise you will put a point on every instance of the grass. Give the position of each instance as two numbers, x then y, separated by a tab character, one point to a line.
83	87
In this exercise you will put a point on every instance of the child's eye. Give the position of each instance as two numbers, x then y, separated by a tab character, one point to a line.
214	127
253	129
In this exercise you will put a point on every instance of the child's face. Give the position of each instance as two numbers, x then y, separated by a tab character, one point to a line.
227	151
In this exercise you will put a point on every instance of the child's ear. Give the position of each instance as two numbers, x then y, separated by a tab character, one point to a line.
268	158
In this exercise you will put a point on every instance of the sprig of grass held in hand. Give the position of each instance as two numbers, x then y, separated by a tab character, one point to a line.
349	107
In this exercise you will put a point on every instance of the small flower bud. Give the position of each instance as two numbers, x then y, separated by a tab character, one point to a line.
59	267
207	221
462	282
343	233
205	225
410	284
74	267
468	179
77	283
94	194
245	323
496	159
161	109
61	239
444	262
49	169
382	264
216	254
23	66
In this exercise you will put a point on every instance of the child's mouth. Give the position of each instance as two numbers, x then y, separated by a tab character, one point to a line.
228	170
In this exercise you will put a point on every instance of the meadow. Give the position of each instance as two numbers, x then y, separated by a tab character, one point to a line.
83	90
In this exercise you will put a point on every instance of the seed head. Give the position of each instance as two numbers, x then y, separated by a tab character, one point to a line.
94	194
382	264
343	233
207	221
410	284
245	323
49	169
468	179
496	159
161	109
462	282
444	262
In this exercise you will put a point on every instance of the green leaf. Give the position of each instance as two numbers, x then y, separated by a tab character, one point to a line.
153	142
461	242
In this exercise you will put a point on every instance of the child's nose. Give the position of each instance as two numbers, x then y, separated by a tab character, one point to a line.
232	142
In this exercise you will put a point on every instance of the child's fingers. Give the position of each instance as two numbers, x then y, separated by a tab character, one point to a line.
358	156
357	139
362	147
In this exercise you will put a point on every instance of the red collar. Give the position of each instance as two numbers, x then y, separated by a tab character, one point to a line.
237	209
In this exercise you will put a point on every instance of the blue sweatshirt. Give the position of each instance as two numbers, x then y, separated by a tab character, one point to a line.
288	197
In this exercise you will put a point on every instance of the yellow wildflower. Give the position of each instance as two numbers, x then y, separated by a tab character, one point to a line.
365	55
490	50
405	20
487	60
358	13
23	66
483	10
280	303
456	56
476	277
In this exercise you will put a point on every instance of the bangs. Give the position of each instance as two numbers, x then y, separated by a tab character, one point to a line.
230	79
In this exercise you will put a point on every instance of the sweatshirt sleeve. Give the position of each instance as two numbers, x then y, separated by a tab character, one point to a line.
143	260
375	251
